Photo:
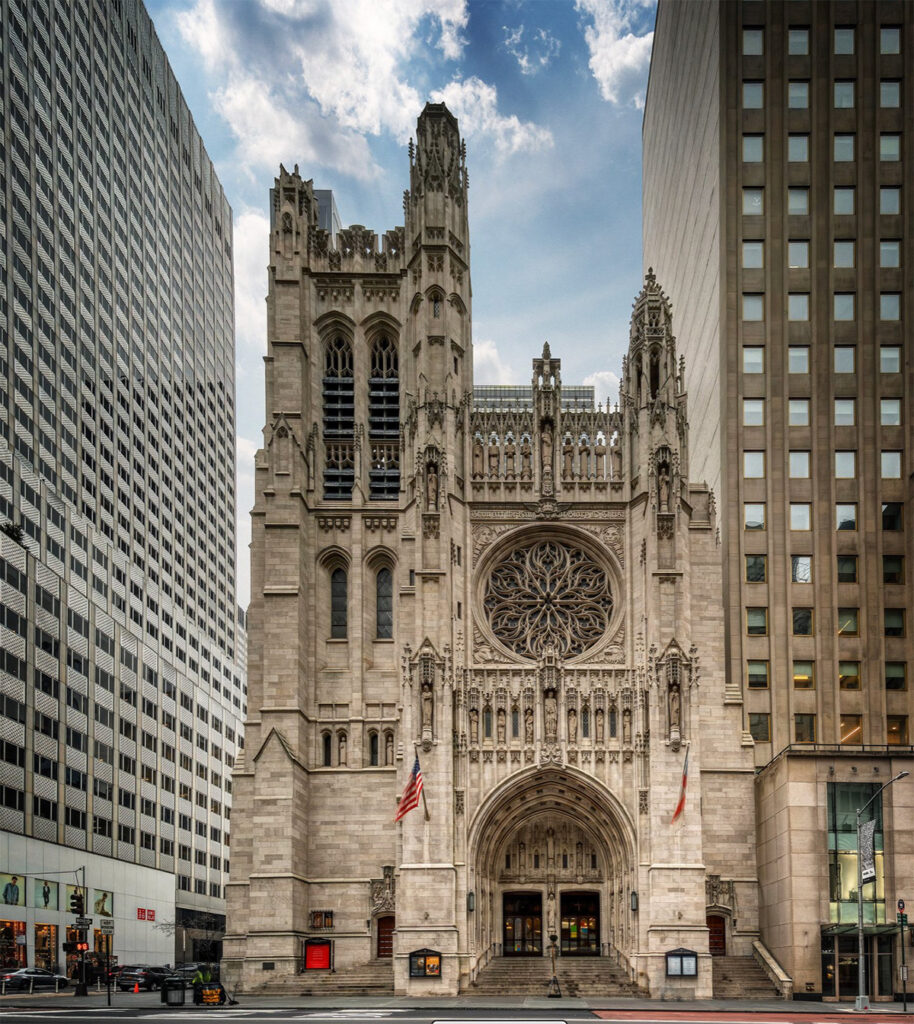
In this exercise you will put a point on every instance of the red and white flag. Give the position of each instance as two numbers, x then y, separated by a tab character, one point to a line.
412	793
680	807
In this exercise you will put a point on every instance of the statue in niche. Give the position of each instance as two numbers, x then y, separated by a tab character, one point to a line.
550	913
551	710
567	459
474	725
428	702
493	457
599	459
477	458
599	716
501	726
627	726
510	453
528	726
389	749
579	859
616	454
522	857
546	450
584	457
342	748
572	725
675	708
663	486
526	458
431	487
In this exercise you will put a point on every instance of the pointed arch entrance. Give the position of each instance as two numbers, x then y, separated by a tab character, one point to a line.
552	852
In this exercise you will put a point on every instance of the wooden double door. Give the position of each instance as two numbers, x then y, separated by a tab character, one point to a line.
386	937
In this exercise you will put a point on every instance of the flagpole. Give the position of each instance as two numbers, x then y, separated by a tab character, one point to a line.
424	804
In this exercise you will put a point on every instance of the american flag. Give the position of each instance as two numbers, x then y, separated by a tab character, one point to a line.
680	807
412	793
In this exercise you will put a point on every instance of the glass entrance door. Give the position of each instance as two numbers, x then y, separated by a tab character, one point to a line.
523	924
580	934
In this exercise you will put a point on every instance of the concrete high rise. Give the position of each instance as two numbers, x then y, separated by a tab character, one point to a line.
778	147
121	698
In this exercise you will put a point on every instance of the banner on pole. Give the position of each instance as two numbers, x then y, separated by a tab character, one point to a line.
867	853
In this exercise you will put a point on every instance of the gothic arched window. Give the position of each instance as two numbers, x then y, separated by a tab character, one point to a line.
339	602
339	419
374	753
384	419
384	604
327	750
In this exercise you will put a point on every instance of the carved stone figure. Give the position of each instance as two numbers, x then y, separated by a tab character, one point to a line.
389	749
474	725
551	709
550	913
599	725
675	708
526	459
493	458
584	459
546	450
501	726
616	453
567	459
427	706
477	459
342	748
431	487
510	455
528	726
599	459
572	725
663	487
627	726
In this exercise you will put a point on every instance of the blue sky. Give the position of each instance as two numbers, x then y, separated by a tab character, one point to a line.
548	94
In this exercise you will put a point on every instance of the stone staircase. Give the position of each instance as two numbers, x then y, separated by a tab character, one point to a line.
740	977
530	976
375	978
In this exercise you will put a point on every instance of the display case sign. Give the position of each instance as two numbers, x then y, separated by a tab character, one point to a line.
425	963
682	963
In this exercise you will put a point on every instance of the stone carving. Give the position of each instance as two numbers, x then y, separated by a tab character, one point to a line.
548	594
428	704
383	895
477	459
501	726
526	458
599	726
483	535
720	892
663	486
642	801
551	715
474	726
627	726
431	486
458	801
430	525
328	523
528	726
572	725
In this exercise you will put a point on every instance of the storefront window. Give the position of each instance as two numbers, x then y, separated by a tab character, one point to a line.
12	944
46	946
843	800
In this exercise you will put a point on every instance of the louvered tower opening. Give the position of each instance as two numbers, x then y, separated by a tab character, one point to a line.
339	421
384	421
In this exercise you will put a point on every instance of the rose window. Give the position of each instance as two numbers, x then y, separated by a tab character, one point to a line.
548	593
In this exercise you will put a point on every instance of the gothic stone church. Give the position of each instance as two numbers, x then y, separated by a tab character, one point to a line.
515	585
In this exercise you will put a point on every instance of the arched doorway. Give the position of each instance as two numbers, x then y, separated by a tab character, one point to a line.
551	850
717	935
385	945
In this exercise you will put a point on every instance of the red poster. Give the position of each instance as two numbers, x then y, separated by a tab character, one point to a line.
141	913
150	915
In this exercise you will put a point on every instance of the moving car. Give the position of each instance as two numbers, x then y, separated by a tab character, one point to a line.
28	979
148	978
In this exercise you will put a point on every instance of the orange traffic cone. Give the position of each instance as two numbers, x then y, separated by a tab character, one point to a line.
136	986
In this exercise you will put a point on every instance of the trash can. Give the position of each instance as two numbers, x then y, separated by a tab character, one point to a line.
173	991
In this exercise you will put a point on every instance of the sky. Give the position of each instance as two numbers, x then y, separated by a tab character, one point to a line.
549	95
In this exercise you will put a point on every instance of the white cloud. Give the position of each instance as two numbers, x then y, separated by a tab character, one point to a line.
250	245
606	386
489	367
202	29
619	59
535	53
475	104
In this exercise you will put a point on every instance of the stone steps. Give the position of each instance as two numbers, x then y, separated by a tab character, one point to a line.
740	977
590	976
375	978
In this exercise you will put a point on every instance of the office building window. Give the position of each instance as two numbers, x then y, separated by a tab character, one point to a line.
848	622
756	568
798	255
798	412
890	359
893	621
845	412
845	306
757	674
844	201
803	622
800	515
753	412
847	568
753	255
890	200
889	93
850	728
801	568
753	465
798	95
849	675
753	149
889	147
754	516
845	359
753	359
896	730
844	95
753	201
798	42
798	306
890	253
890	306
798	149
760	727
753	95
845	465
798	202
804	675
844	148
753	42
890	465
798	359
893	568
896	675
845	254
798	465
892	516
804	728
757	621
890	412
890	39
846	516
753	307
844	40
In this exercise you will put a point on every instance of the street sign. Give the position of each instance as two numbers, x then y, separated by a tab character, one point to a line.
901	904
902	920
106	926
83	922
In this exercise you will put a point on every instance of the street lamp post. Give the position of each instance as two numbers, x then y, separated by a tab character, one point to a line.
863	999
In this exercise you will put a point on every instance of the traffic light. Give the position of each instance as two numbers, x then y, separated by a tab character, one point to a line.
82	947
77	903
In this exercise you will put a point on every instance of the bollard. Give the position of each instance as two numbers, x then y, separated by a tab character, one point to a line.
31	986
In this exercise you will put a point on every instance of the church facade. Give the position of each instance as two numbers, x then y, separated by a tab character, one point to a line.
515	588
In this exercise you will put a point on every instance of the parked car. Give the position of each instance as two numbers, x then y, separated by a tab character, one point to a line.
31	978
148	978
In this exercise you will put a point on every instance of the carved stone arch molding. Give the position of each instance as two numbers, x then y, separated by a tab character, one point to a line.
334	557
548	585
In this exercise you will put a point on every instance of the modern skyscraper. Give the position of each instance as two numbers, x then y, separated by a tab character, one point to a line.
777	194
121	700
